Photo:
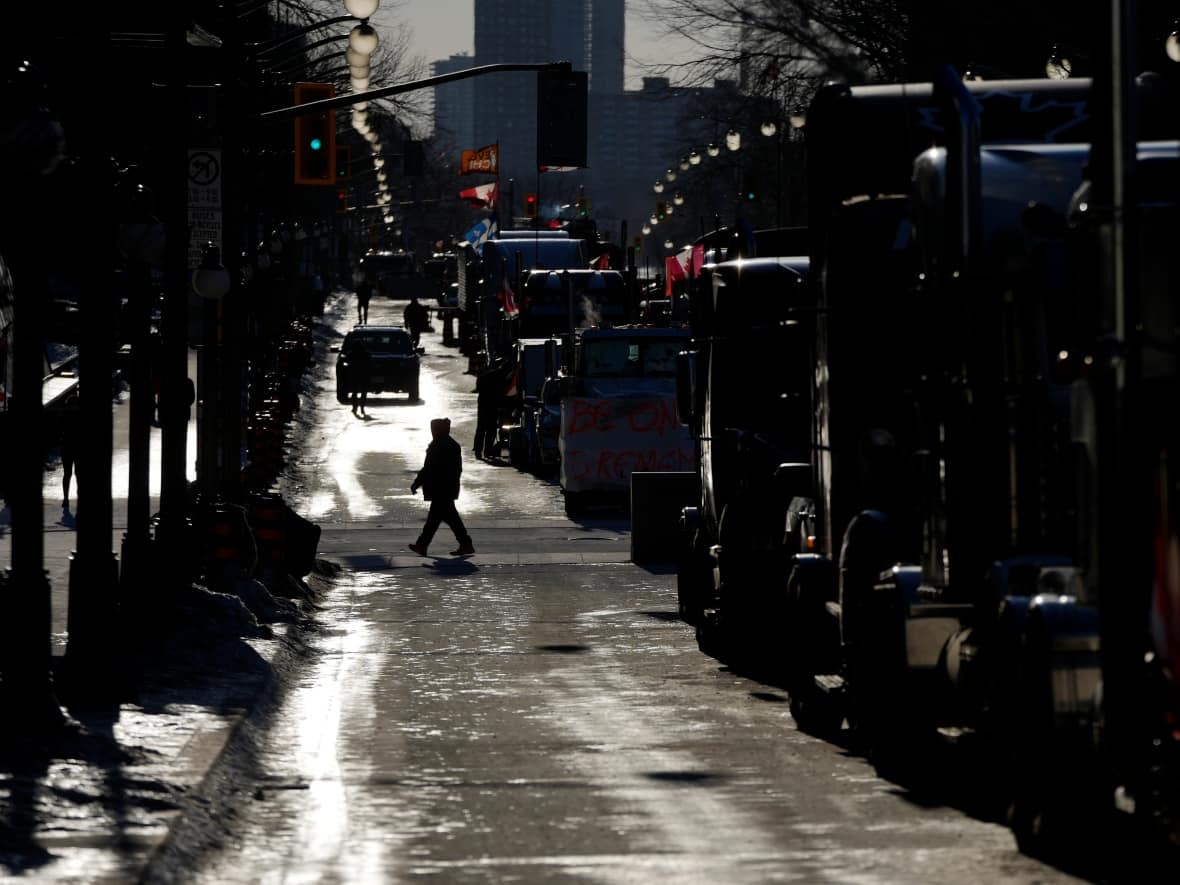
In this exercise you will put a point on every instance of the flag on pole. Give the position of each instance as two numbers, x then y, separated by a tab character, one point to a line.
480	233
485	159
482	196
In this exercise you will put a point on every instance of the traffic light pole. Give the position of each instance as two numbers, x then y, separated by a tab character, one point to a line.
352	98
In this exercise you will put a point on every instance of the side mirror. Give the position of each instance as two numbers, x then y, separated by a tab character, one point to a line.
335	348
686	364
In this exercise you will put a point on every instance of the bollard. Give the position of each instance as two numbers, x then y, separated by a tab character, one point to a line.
268	518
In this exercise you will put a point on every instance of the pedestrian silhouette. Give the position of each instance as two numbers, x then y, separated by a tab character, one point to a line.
416	318
360	366
71	428
364	291
489	394
439	481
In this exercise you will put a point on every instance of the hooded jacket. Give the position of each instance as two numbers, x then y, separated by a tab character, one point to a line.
439	476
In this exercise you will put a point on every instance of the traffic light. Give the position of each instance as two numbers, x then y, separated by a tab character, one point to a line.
750	188
342	199
343	162
530	205
661	209
315	137
583	204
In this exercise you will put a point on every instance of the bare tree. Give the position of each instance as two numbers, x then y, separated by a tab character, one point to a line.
781	47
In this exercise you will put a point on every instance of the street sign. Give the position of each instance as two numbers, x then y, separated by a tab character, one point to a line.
204	202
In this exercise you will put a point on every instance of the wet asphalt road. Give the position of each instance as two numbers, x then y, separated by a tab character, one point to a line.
537	713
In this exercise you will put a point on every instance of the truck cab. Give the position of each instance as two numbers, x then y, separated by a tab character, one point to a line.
745	392
618	413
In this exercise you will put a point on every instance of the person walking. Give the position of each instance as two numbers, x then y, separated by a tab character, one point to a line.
416	317
439	481
488	391
68	449
364	291
360	365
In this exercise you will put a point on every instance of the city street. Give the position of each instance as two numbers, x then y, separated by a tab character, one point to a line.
536	712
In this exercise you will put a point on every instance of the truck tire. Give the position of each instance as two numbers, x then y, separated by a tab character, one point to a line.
694	580
873	634
341	394
414	390
816	713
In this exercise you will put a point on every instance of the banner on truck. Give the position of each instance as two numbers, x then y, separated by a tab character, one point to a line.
604	440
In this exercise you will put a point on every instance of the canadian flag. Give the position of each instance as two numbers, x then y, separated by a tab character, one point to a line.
508	298
482	195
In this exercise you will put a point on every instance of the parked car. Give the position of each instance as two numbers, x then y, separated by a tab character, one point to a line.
394	363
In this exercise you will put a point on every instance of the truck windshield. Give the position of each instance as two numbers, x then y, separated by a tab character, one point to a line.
623	358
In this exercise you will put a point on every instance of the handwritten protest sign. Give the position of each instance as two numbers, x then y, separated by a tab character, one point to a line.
603	441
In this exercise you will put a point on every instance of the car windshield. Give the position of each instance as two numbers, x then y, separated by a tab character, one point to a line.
395	342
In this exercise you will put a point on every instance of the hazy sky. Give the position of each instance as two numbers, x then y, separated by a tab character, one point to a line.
445	27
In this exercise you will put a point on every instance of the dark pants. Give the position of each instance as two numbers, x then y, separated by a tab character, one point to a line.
485	438
440	512
359	398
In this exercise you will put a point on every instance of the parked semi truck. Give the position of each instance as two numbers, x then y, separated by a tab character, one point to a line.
618	412
744	390
491	286
958	480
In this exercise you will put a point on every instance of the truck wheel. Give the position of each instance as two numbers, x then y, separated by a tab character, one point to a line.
869	628
341	394
815	713
414	391
694	581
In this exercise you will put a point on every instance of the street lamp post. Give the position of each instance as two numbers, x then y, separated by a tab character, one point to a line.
210	281
140	239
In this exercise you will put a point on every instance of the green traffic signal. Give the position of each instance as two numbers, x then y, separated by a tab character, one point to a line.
316	144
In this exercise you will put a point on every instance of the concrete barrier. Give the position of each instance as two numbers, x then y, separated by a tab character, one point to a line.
657	497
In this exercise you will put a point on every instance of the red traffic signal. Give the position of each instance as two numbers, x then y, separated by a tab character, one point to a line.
342	200
315	137
530	205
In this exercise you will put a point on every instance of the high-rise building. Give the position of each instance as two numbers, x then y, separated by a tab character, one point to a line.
632	135
454	103
607	37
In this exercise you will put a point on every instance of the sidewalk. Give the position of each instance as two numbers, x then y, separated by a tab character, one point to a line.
105	800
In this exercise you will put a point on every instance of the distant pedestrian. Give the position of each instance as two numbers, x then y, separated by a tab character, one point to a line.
364	291
439	481
489	389
68	449
487	412
416	317
360	367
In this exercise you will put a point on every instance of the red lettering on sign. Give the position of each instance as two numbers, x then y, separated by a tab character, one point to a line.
588	415
654	416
